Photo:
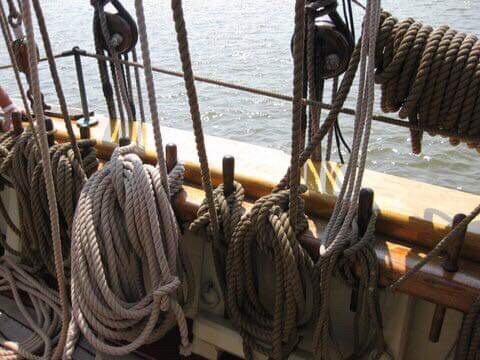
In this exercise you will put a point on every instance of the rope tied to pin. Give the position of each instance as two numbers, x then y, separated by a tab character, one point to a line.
229	210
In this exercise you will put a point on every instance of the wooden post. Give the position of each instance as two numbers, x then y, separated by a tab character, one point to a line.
450	264
84	131
365	210
124	141
228	175
50	131
17	123
171	156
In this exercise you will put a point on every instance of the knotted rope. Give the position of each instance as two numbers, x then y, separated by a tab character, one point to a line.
229	210
359	266
267	230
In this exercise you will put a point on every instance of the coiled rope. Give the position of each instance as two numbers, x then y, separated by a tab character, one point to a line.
124	258
430	76
25	169
267	230
272	228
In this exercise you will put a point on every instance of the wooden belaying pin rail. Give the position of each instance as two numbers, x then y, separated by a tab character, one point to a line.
228	165
450	264
365	210
171	156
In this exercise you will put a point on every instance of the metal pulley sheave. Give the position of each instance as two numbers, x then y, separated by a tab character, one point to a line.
333	45
334	42
122	28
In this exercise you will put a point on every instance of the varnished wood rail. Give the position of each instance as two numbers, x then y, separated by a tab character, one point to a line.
403	241
434	284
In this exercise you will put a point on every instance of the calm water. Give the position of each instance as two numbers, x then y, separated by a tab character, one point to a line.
247	42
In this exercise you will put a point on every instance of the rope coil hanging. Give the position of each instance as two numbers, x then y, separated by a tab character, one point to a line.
430	76
267	230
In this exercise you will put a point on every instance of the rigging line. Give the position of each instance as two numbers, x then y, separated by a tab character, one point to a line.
152	101
52	201
56	79
110	42
184	51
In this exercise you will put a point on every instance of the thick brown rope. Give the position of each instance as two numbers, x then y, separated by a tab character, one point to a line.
297	107
430	76
184	51
267	230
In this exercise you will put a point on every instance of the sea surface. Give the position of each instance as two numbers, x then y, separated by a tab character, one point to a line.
248	42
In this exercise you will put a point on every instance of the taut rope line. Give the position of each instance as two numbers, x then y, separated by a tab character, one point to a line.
52	199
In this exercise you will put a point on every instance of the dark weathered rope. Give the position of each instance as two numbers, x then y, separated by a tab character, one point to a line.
184	51
430	76
298	57
273	329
